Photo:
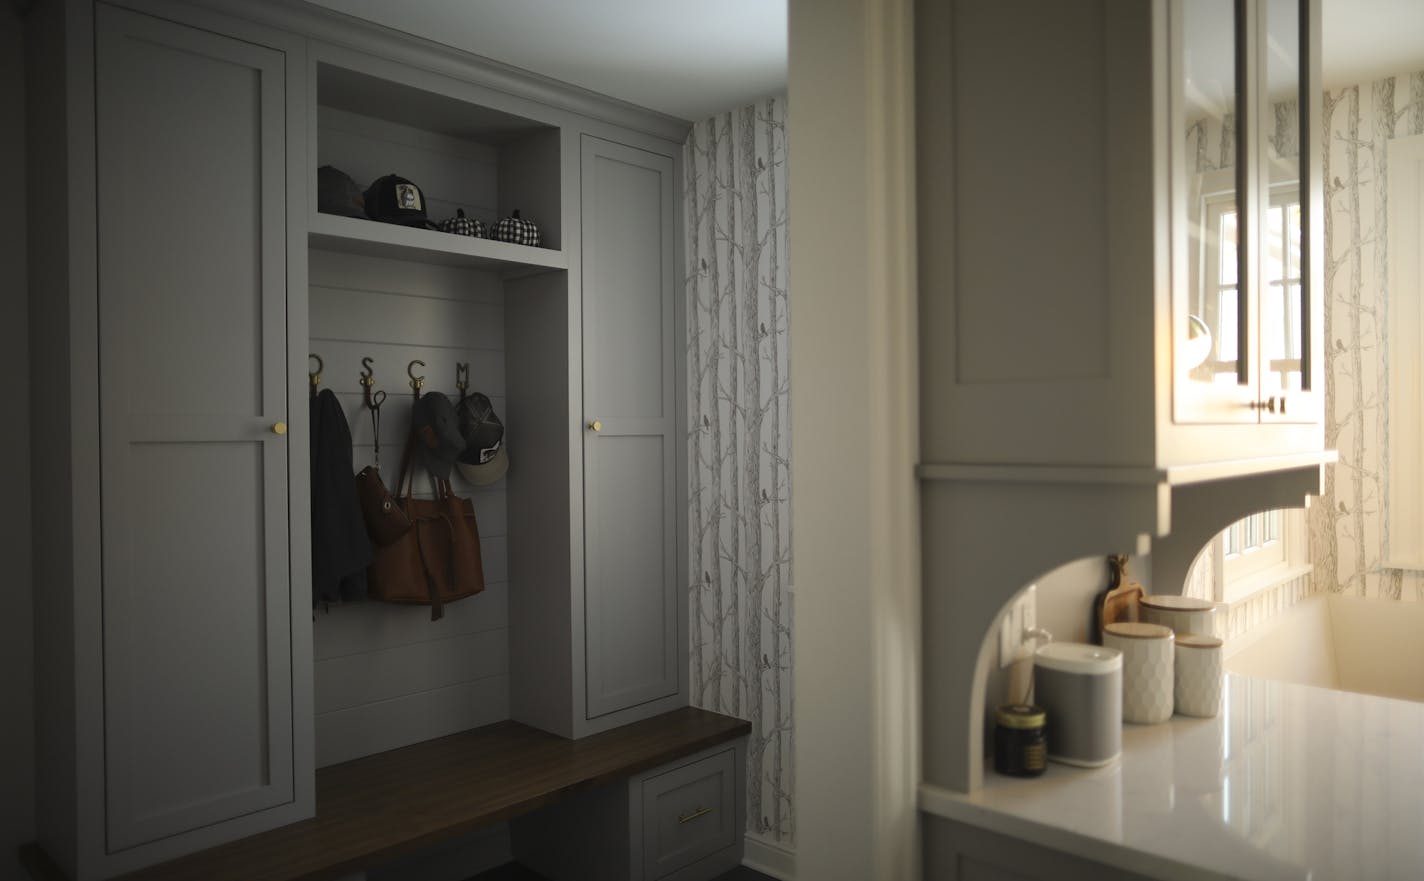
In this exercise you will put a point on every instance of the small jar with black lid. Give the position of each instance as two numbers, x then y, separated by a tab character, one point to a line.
1020	744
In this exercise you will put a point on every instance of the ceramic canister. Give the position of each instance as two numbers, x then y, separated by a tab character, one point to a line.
1198	676
1079	688
1184	615
1147	669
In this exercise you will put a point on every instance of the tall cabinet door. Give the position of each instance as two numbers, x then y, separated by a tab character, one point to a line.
192	322
631	620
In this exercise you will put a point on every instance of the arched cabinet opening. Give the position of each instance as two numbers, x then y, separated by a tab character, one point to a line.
987	534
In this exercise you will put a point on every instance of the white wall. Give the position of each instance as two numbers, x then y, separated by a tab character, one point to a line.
1065	598
854	440
17	780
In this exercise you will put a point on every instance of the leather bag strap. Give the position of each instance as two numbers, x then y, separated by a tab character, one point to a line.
437	606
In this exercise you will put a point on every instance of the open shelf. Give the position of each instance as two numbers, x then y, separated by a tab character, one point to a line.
352	235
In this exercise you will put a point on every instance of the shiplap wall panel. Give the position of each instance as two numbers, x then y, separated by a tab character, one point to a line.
356	680
349	734
451	173
427	322
375	627
386	675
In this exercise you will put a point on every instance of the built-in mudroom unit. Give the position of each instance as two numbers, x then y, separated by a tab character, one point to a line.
205	710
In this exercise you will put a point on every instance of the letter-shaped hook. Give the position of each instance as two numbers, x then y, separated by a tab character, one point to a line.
415	381
367	375
314	376
462	377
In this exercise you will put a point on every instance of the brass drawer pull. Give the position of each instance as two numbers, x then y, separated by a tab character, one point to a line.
689	817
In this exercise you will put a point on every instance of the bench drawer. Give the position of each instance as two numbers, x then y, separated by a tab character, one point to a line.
689	813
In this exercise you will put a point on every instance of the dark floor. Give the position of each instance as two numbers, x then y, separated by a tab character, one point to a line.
516	872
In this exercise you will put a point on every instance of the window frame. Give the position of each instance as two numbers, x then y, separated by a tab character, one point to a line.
1236	577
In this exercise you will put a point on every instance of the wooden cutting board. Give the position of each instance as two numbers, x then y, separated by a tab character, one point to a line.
1120	604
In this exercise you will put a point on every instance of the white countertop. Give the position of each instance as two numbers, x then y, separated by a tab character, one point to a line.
1288	782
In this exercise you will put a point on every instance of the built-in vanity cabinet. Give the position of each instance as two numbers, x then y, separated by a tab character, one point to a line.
1120	258
1121	279
1245	243
178	706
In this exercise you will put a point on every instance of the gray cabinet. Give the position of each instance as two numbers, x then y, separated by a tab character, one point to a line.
681	821
629	450
191	712
192	317
596	605
1101	288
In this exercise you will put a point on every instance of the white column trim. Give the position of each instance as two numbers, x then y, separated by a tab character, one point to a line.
855	439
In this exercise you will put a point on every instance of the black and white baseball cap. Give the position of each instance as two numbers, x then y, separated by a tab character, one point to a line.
484	459
393	199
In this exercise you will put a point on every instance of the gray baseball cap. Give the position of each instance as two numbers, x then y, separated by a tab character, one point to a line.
337	193
438	433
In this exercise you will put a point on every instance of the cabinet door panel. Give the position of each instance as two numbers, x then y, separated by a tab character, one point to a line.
1212	347
192	300
1285	283
630	604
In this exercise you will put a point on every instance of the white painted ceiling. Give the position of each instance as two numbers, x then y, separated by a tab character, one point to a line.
686	58
1363	40
694	58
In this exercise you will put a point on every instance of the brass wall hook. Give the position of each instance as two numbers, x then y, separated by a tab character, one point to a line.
462	377
314	376
415	381
372	398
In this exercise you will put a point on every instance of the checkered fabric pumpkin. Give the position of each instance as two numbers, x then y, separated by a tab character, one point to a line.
517	230
461	225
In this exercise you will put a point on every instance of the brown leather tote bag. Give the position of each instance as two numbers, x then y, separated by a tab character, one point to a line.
385	518
438	559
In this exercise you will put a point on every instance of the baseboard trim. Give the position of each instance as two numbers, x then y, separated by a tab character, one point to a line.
770	858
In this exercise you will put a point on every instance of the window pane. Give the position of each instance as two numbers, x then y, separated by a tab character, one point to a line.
1293	332
1228	247
1274	258
1293	239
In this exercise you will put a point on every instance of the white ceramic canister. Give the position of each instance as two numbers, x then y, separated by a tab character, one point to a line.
1198	676
1147	669
1184	615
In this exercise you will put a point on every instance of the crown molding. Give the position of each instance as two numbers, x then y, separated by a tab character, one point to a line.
336	28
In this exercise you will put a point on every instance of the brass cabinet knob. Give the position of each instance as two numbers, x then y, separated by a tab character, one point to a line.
595	425
1272	404
279	428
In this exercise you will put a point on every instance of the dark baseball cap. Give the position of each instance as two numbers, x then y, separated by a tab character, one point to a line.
484	459
437	430
393	199
337	193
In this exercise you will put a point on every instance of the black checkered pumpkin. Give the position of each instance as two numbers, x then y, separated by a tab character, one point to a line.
461	225
516	230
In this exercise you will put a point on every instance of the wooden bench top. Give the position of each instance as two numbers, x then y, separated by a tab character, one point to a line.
371	810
